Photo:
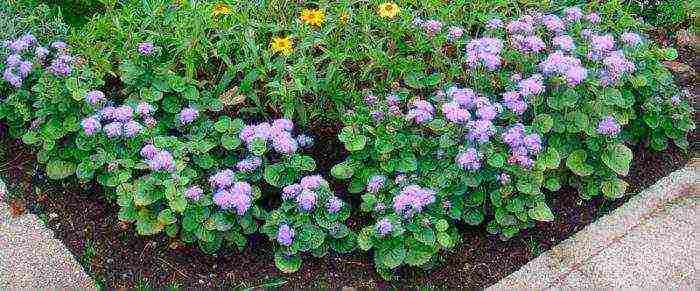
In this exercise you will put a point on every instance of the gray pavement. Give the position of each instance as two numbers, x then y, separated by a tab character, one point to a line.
648	243
30	258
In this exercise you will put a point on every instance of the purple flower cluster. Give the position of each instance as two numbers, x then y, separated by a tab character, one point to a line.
454	33
375	183
568	66
304	192
188	115
194	192
592	17
431	27
421	111
456	110
384	226
616	65
494	23
484	51
412	199
553	23
601	45
608	126
564	42
285	235
17	69
158	160
61	65
525	25
514	102
469	160
248	165
522	146
279	133
334	204
528	44
573	14
631	38
119	120
238	196
95	96
531	86
146	48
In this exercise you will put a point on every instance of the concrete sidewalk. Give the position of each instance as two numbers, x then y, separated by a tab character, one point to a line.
648	243
30	258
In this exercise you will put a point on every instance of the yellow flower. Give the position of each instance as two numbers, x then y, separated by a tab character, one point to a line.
282	45
388	9
221	9
313	17
344	18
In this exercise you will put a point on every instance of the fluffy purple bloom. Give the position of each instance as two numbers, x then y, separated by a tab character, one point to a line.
123	113
592	17
312	182
247	133
194	192
95	96
528	44
132	128
494	23
469	160
306	200
484	51
144	109
553	23
514	135
61	65
631	38
18	45
514	103
10	77
221	179
13	60
573	14
564	42
375	183
533	143
522	25
568	66
24	68
241	197
488	112
59	45
454	33
291	191
463	96
616	64
90	125
249	164
188	115
432	26
370	99
531	86
384	226
162	161
392	100
421	111
150	121
285	235
283	124
28	39
412	199
454	113
223	198
41	53
305	141
504	178
600	46
149	151
334	204
377	115
676	100
608	126
146	48
114	129
480	130
284	144
575	75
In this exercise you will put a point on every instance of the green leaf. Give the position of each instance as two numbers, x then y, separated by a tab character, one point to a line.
223	124
618	158
425	235
166	217
273	174
474	216
543	123
407	163
392	257
496	160
541	212
258	146
342	171
615	188
230	142
669	54
356	143
552	184
57	169
445	240
576	162
441	225
551	158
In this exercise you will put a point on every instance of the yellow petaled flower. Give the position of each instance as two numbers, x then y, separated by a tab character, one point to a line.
388	9
344	18
313	17
221	9
282	45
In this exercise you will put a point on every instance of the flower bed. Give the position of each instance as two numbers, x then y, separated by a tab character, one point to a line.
480	129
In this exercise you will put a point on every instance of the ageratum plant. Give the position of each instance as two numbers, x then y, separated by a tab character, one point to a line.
311	218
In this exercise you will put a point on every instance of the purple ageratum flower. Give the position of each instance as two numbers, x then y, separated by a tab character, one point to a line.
676	100
123	113
592	17
249	164
221	179
494	23
149	151
528	44
223	198
375	183
247	133
463	96
480	130
514	103
108	112
377	115
432	27
194	192
90	125
28	39
283	124
188	115
392	100
305	141
240	197
285	235
306	200
150	121
521	25
24	68
114	129
630	38
573	14
132	128
163	161
484	51
608	126
13	60
533	143
615	66
514	135
312	182
531	86
291	191
488	112
144	109
284	144
59	45
334	204
10	77
469	160
146	48
18	45
41	53
553	23
421	111
564	42
417	22
568	66
454	33
383	227
370	99
61	65
575	75
504	178
454	113
95	96
600	46
412	199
